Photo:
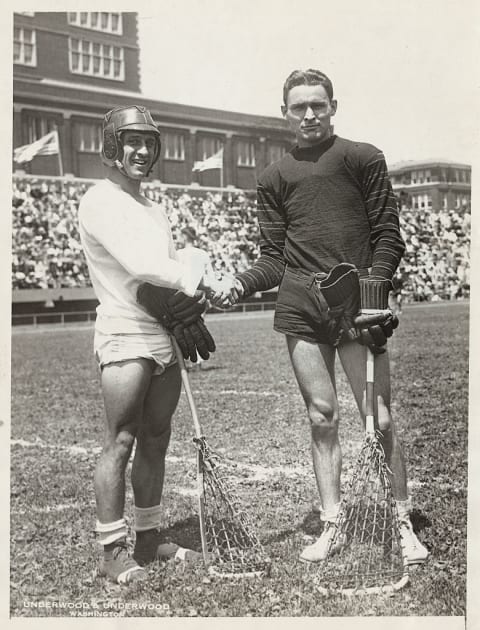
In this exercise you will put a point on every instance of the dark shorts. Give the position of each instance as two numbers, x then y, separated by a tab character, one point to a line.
301	310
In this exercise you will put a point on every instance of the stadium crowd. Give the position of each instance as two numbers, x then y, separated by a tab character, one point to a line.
46	250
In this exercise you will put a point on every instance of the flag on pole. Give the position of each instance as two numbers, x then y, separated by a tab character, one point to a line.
214	161
46	145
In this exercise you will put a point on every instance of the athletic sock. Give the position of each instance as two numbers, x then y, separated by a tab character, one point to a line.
146	518
109	533
404	508
330	515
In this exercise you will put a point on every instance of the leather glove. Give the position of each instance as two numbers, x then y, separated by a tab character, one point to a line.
181	315
375	322
169	306
194	338
341	291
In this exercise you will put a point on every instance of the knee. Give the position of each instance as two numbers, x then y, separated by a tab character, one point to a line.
323	421
162	439
120	446
156	437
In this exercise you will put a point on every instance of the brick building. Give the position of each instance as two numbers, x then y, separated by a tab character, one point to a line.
432	184
70	68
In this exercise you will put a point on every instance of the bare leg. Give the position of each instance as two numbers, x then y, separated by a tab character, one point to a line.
353	358
148	471
314	369
153	436
124	387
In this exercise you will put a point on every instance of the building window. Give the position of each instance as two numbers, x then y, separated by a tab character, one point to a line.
96	60
245	153
24	46
414	177
462	201
174	144
89	137
35	127
428	176
209	146
105	22
275	152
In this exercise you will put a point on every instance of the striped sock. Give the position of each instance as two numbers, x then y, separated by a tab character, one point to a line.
146	518
108	533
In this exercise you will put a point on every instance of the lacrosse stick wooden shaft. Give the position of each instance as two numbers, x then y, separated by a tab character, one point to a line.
369	394
198	434
187	388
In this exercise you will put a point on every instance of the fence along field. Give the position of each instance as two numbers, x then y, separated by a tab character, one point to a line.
252	412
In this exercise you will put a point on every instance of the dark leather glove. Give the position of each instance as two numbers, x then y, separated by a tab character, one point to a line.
194	338
375	322
341	291
168	305
181	315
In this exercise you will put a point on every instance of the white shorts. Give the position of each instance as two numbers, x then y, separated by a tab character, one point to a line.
118	347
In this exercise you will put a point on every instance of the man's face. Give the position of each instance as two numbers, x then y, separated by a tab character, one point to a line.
308	113
138	153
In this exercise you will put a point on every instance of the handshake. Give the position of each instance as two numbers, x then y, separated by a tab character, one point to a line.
223	293
182	315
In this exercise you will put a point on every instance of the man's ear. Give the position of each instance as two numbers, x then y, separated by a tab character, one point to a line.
284	110
334	104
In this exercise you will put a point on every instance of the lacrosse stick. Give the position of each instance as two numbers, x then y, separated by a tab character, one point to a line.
230	547
365	553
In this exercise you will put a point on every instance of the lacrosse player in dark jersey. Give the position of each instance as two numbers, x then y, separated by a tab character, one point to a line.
330	238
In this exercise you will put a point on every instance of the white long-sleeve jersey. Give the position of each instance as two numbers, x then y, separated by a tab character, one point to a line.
128	241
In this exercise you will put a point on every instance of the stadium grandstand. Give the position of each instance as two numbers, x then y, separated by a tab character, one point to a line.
47	253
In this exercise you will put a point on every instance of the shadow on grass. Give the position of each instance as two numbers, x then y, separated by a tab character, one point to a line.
185	533
312	524
419	521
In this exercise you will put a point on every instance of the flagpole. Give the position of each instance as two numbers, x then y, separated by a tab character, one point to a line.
60	163
221	172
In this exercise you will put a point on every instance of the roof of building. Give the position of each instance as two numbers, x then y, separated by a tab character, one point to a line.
411	164
73	95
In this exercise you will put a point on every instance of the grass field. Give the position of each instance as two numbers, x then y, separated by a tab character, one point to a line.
252	412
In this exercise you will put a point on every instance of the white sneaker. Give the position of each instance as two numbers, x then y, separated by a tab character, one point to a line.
415	552
323	546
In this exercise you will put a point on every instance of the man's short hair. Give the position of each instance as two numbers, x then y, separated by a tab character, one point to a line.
307	77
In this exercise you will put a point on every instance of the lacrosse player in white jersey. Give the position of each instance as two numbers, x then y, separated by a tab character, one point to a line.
128	242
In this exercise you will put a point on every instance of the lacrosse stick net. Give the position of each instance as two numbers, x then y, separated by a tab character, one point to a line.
365	553
230	545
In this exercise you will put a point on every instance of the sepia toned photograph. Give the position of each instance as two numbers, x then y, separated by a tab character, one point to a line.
240	279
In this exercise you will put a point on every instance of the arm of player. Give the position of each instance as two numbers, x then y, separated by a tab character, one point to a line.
145	250
267	272
382	210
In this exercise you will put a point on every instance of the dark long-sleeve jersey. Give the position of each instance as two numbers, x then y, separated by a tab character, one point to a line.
323	205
